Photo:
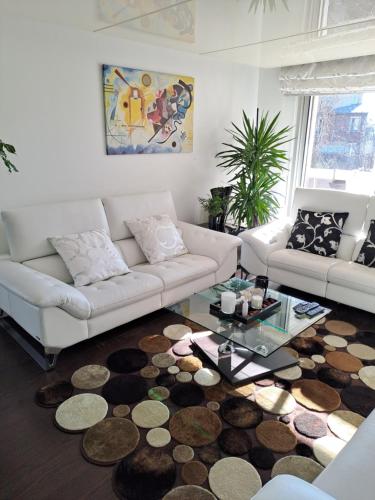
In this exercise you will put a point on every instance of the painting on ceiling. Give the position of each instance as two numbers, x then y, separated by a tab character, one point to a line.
147	112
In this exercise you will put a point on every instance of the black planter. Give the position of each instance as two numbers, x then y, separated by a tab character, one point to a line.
224	192
216	223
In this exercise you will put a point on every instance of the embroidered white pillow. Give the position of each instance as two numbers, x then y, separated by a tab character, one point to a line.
90	256
158	237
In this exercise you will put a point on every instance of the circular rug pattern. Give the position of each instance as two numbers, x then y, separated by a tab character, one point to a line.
306	363
189	364
195	426
127	360
149	372
213	405
367	375
158	437
80	412
307	346
304	450
285	419
178	332
292	373
173	370
207	377
308	333
318	358
310	425
343	361
316	395
241	413
154	344
121	411
320	322
182	348
366	337
184	377
150	414
109	441
330	348
238	391
335	341
189	492
234	441
51	395
334	378
308	374
194	473
302	467
163	360
233	478
215	393
361	351
275	436
148	473
291	351
90	377
158	393
264	382
183	453
261	457
344	424
275	400
166	380
187	395
359	399
326	448
355	376
340	328
209	454
125	389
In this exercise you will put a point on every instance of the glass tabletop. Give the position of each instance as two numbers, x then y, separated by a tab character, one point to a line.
263	336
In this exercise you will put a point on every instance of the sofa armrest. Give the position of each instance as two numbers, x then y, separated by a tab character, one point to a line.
42	290
286	487
267	238
202	241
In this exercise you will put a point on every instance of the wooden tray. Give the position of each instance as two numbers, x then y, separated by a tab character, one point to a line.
268	306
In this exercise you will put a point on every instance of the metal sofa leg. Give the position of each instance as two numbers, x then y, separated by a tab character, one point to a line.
50	357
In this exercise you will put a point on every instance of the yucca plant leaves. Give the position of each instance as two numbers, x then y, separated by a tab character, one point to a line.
255	163
4	150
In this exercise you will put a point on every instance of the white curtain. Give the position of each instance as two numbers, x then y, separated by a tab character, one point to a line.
344	76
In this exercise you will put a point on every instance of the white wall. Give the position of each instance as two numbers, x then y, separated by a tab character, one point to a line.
51	109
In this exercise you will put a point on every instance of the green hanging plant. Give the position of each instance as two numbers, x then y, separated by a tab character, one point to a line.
5	149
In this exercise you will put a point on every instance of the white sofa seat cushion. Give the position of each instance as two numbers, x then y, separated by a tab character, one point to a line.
295	261
180	270
353	275
120	291
286	487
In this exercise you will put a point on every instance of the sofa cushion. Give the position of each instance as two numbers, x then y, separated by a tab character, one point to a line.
120	291
175	272
353	275
367	252
53	265
308	264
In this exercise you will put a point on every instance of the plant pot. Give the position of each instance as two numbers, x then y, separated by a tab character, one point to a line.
215	223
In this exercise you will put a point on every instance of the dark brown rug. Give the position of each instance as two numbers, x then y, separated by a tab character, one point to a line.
187	395
235	442
51	395
359	399
215	393
127	360
334	378
154	344
195	426
189	492
165	379
310	425
241	413
125	389
344	361
276	436
209	454
261	457
194	473
366	337
308	346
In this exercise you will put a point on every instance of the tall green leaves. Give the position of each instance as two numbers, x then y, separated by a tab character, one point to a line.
5	149
255	163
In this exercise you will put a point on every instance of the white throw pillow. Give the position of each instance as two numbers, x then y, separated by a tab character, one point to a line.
90	256
158	237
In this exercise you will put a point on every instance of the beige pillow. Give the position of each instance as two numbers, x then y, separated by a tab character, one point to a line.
158	237
90	256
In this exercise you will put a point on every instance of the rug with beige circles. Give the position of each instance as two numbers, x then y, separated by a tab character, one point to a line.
240	391
183	453
344	423
235	442
344	361
80	412
194	472
158	437
90	377
189	364
327	448
163	360
195	426
367	376
361	351
294	465
342	328
51	395
189	492
276	436
241	413
316	395
209	454
275	400
177	332
154	344
150	414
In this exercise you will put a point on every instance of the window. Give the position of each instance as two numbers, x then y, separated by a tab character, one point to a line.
340	143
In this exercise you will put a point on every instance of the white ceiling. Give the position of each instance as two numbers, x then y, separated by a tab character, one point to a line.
265	33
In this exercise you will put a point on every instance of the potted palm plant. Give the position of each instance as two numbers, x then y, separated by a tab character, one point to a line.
5	149
255	162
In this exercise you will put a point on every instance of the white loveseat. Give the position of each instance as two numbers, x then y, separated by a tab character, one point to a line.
340	279
36	288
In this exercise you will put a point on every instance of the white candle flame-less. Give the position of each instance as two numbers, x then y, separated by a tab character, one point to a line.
228	302
256	301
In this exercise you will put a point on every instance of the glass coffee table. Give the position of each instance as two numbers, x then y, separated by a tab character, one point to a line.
256	343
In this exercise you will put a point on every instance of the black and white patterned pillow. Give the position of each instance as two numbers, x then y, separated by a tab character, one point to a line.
367	253
317	232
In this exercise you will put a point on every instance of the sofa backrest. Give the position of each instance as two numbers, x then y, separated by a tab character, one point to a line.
336	201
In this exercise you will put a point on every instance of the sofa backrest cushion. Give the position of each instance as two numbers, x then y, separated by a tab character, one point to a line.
28	228
131	252
336	201
131	206
53	265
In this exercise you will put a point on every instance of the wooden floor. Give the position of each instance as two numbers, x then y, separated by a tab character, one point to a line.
39	462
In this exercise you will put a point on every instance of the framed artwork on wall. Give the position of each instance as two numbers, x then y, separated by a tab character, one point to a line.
147	112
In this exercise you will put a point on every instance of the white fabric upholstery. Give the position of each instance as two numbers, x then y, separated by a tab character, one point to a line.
119	291
184	290
28	228
308	264
353	276
42	290
350	297
370	215
53	265
131	251
131	206
286	487
298	281
179	270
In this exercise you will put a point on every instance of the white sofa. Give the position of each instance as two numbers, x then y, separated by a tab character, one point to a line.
350	476
340	279
36	288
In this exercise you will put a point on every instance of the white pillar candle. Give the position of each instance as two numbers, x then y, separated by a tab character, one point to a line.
228	302
256	301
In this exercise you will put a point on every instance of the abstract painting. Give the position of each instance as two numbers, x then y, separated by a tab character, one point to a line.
147	112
